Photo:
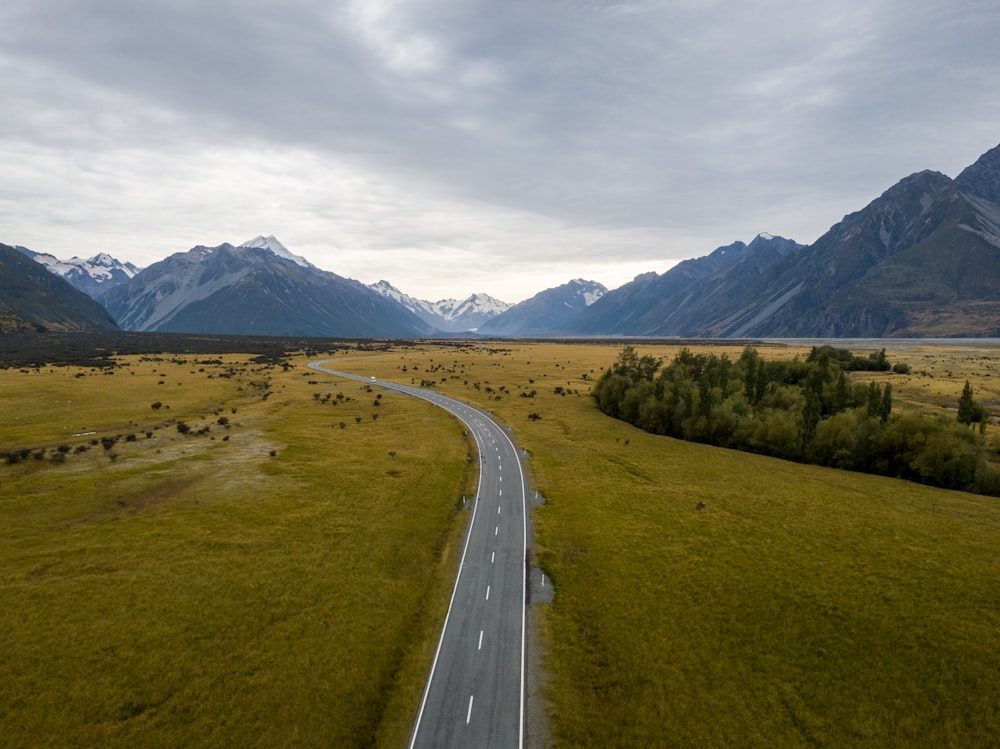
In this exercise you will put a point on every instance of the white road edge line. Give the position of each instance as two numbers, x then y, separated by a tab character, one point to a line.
524	576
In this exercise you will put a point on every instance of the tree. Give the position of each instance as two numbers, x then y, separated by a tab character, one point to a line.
886	408
634	367
874	400
968	410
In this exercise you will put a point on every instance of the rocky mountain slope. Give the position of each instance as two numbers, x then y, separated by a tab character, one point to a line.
651	300
447	315
254	290
33	299
547	312
93	276
923	259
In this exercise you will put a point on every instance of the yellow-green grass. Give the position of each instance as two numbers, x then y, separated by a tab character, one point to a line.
49	406
938	373
799	606
202	591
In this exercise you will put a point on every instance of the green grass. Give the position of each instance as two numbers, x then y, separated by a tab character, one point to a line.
197	591
801	606
204	592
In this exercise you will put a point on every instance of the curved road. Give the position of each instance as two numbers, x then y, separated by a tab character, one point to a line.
474	695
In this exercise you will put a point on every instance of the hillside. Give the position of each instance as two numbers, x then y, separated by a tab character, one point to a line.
93	276
547	312
446	315
32	298
922	259
652	300
254	290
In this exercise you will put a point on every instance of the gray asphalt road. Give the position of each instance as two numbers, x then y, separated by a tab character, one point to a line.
474	695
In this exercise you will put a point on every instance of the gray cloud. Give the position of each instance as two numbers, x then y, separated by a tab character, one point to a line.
375	137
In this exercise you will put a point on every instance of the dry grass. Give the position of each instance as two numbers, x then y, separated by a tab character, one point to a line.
799	606
198	590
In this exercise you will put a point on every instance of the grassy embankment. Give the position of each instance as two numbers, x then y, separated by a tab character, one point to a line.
198	590
799	606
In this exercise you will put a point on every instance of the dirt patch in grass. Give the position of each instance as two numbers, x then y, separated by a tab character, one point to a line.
151	496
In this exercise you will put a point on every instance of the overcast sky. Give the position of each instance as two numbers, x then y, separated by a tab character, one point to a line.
453	146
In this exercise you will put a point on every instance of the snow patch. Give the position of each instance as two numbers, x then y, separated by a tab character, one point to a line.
271	243
101	268
447	314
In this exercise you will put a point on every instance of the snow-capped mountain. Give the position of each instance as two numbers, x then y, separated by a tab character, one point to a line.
548	311
34	299
93	276
472	312
419	307
447	315
270	242
251	290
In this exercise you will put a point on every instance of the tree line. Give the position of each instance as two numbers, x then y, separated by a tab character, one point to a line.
803	410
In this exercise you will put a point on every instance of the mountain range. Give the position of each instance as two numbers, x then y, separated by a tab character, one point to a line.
446	315
549	312
922	259
650	301
35	299
258	288
92	276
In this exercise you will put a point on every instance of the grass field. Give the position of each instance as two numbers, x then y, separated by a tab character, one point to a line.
197	590
800	606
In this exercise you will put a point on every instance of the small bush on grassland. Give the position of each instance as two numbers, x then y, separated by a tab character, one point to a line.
805	411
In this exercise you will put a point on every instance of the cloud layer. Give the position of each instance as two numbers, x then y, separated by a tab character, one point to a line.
453	146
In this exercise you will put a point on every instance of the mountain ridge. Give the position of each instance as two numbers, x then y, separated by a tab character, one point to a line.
255	291
447	315
93	276
32	298
922	259
547	312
